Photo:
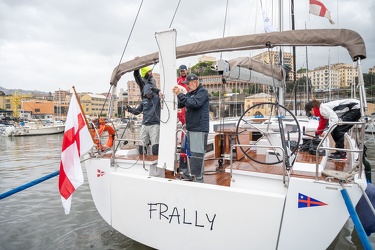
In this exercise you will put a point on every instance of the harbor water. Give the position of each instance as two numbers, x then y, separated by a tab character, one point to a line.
34	218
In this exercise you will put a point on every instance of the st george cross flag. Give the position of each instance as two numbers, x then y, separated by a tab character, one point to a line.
77	141
318	8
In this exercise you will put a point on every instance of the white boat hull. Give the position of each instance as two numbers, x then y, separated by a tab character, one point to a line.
43	130
256	210
164	213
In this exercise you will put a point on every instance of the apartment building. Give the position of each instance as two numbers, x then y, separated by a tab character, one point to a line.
96	105
333	76
324	78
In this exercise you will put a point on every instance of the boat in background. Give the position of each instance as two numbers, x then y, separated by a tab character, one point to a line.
7	129
39	127
370	125
260	181
118	123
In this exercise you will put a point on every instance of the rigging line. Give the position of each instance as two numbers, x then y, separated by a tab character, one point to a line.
106	98
248	17
256	17
123	52
170	25
131	32
225	23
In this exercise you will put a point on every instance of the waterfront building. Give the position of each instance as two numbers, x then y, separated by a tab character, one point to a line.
94	105
38	109
258	98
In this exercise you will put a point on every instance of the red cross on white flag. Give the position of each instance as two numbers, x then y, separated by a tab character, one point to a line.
77	141
319	9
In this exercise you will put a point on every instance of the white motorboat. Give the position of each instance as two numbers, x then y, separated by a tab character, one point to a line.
7	129
39	128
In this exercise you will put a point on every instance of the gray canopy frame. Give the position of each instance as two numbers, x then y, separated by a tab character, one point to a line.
345	38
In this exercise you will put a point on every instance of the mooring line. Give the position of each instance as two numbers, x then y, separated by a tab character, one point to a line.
27	185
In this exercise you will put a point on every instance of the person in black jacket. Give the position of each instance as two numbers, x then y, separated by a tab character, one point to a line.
144	77
196	103
150	107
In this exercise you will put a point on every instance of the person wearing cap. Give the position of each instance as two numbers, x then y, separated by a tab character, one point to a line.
181	112
183	73
180	80
196	103
150	107
330	113
144	77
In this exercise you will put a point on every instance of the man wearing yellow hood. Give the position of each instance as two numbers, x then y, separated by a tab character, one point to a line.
144	77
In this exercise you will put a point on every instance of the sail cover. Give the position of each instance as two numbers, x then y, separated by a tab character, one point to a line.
348	39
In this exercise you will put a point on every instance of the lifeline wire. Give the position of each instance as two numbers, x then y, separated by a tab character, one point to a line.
225	23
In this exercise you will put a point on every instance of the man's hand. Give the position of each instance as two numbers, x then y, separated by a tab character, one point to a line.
176	90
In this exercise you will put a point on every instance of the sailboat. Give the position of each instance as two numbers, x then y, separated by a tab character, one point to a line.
265	191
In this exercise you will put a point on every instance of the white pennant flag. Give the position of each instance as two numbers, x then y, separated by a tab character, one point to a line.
268	27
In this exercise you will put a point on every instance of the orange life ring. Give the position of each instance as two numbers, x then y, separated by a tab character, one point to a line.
111	134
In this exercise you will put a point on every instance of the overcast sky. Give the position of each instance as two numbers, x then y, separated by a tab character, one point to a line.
48	45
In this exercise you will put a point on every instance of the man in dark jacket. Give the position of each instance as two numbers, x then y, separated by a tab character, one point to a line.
196	103
144	77
150	107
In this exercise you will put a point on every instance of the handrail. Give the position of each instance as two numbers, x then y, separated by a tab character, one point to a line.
114	150
259	146
359	150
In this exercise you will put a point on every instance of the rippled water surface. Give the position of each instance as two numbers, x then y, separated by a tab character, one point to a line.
35	219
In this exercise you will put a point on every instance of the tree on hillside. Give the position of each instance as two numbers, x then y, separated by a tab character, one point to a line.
203	69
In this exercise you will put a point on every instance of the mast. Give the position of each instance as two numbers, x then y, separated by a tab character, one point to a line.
329	76
294	61
307	75
281	91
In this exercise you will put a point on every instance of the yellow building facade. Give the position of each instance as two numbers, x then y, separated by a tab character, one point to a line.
96	105
261	110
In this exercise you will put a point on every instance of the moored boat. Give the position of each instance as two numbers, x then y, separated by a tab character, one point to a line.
257	190
39	128
7	129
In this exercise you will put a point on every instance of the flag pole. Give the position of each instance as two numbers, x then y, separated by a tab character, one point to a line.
84	116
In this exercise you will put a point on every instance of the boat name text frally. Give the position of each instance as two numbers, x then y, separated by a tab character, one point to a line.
162	209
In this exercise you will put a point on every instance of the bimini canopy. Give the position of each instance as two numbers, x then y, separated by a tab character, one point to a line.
274	71
348	39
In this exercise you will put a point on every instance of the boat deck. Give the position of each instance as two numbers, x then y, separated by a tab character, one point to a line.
213	174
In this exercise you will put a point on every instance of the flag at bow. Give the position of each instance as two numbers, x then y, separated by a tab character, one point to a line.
318	8
76	142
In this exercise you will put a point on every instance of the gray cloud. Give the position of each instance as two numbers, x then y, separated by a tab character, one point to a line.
47	45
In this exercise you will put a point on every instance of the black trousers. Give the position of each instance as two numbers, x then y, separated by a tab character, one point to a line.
339	132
